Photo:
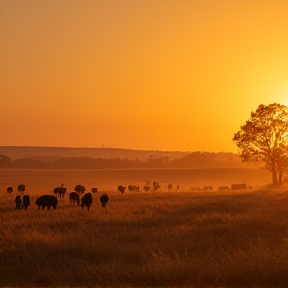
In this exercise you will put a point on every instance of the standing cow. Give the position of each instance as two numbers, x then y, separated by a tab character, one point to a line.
21	188
80	189
22	203
74	197
86	200
10	189
94	190
104	200
156	186
60	191
121	189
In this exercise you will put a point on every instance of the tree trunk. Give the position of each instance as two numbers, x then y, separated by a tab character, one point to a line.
280	178
274	174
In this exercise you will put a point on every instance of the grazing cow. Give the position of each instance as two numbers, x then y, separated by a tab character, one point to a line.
10	189
80	189
46	201
86	200
74	197
60	190
104	199
243	186
133	188
21	188
236	187
121	189
224	188
94	190
146	188
169	187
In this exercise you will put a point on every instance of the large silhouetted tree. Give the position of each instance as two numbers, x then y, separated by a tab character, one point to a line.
263	139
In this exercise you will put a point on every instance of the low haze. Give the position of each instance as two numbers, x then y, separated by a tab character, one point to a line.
159	75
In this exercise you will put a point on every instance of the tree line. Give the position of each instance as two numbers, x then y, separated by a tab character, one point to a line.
193	160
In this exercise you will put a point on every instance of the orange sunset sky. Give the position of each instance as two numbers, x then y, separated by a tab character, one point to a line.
140	74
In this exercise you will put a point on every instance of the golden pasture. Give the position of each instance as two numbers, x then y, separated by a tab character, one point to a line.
162	239
40	181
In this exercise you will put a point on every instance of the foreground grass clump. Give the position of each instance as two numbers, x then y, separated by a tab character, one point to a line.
147	240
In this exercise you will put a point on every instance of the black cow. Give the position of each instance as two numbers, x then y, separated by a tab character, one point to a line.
169	187
241	186
121	189
86	200
104	199
224	188
94	190
146	188
156	186
18	202
133	188
74	197
26	201
21	188
60	190
46	201
25	204
79	189
10	189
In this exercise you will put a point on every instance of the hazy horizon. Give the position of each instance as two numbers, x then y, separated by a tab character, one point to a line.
120	148
141	75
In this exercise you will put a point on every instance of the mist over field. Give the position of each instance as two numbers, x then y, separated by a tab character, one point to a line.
46	180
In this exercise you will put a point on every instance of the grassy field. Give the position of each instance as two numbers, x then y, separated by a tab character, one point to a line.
43	181
163	239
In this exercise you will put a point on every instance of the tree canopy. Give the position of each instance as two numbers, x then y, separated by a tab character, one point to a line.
263	139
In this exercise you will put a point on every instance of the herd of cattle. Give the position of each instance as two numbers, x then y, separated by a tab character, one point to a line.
84	198
234	187
79	196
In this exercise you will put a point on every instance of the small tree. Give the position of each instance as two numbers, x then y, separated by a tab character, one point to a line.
263	139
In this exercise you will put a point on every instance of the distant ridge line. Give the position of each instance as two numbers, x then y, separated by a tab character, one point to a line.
16	152
112	148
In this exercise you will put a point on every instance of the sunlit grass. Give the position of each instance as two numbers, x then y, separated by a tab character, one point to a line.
148	240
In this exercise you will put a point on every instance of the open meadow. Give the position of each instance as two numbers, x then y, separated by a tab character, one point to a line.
144	239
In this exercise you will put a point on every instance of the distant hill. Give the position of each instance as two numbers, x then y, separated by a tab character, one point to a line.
114	158
44	153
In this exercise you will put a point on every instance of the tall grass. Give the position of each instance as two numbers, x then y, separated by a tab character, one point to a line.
177	239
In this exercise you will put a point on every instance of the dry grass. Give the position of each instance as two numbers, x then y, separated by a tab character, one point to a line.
158	239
